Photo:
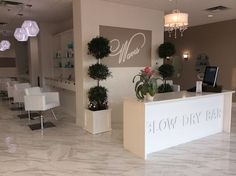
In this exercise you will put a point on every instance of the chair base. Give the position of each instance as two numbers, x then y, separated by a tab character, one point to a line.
26	116
38	126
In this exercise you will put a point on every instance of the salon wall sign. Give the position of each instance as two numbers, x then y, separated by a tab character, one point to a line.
129	47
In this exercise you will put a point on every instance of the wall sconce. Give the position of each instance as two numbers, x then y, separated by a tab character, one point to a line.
186	56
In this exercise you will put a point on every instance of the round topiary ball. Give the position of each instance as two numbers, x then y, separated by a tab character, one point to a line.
99	72
166	70
98	98
99	47
166	49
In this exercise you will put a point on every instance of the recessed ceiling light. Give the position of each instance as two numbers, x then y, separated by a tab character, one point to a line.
210	16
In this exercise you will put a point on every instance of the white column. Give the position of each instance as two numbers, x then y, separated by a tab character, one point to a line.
79	63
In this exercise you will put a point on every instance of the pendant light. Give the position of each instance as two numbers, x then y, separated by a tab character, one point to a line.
176	21
31	28
1	48
21	35
5	44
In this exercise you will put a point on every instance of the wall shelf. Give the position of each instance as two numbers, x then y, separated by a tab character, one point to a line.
60	83
63	60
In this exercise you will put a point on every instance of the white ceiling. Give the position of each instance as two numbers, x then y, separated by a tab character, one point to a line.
60	10
195	8
42	10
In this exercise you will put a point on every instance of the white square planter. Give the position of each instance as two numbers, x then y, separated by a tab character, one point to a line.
97	121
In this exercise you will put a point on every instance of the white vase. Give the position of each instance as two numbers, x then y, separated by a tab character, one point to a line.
149	97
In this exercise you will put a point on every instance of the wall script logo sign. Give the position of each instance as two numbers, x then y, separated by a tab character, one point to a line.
123	50
129	47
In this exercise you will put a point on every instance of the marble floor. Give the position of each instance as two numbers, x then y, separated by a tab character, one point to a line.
70	151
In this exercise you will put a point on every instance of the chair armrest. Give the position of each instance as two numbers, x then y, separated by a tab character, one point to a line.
10	91
18	96
34	102
52	97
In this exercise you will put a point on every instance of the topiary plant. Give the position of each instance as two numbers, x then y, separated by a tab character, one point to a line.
165	88
166	50
166	70
99	48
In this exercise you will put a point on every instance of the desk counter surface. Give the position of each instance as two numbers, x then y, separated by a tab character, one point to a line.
178	96
174	118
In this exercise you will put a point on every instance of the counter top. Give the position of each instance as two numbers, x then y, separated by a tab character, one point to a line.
178	96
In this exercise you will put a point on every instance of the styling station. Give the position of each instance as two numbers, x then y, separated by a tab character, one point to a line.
174	118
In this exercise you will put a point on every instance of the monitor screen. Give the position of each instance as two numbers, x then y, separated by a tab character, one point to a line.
210	76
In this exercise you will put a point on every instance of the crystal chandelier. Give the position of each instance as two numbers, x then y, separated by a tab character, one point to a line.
176	21
21	35
31	28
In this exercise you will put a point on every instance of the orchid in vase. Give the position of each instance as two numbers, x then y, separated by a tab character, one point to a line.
146	83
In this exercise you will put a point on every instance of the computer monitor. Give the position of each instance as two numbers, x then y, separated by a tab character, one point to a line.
210	75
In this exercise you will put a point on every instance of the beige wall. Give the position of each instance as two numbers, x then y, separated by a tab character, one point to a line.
88	15
22	61
218	41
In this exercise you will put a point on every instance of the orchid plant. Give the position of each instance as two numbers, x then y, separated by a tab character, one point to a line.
147	82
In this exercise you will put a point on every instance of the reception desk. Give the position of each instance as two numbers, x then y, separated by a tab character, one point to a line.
174	118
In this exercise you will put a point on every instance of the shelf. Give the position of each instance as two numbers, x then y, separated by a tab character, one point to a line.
60	83
63	57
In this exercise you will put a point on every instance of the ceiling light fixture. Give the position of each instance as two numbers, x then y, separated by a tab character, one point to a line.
21	35
176	21
31	28
5	44
1	48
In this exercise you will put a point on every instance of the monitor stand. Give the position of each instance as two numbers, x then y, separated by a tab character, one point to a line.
207	88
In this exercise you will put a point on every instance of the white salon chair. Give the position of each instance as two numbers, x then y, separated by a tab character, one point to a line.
10	89
36	100
3	86
19	92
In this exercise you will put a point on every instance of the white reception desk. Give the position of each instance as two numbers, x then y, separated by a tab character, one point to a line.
174	118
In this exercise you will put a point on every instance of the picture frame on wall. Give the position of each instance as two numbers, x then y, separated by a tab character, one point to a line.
129	47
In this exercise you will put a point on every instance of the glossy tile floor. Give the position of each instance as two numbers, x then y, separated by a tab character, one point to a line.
69	151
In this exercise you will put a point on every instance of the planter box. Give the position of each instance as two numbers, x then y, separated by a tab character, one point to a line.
97	121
